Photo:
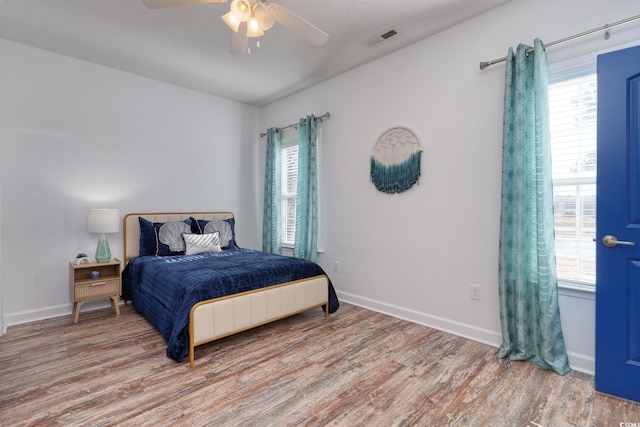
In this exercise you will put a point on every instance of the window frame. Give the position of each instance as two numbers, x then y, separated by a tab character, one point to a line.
290	139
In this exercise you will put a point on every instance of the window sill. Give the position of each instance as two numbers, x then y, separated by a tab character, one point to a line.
576	290
289	248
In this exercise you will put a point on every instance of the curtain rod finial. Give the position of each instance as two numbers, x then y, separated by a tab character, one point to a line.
484	65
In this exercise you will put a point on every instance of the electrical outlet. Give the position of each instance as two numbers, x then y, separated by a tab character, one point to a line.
336	266
475	292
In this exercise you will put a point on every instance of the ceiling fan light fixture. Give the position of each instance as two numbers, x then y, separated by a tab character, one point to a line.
241	10
264	16
231	21
253	27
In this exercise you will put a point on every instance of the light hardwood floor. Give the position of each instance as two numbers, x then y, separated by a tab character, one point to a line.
356	368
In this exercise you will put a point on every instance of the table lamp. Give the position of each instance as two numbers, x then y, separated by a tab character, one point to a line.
103	221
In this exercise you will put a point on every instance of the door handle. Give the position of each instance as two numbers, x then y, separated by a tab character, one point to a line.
611	241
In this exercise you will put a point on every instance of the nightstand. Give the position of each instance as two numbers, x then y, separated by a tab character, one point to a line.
84	288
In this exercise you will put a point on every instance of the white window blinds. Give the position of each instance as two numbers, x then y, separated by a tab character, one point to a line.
572	108
289	190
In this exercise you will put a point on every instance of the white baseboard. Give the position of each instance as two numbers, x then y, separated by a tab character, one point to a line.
582	362
474	333
51	312
577	361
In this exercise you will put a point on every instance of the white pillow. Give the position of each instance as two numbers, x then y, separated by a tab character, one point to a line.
201	243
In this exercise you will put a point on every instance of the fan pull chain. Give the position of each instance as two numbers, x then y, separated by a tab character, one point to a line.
257	47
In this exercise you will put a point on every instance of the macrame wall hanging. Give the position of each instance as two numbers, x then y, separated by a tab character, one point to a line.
395	161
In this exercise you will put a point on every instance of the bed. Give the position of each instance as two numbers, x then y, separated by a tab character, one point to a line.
209	287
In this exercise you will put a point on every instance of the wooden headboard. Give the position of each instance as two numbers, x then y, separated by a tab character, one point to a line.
131	226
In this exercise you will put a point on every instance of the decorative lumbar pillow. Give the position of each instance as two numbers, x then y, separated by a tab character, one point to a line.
201	243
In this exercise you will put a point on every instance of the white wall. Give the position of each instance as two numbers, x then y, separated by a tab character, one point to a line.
76	135
2	324
415	254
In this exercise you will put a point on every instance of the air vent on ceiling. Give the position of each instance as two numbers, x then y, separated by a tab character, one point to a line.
377	40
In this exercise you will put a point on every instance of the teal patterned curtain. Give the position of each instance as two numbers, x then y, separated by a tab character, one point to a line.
306	243
271	221
528	289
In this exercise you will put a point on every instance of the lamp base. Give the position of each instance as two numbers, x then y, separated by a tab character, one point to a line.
103	253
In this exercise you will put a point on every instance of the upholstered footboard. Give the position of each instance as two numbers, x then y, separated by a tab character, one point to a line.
217	318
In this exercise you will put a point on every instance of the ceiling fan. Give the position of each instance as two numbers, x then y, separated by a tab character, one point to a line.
251	18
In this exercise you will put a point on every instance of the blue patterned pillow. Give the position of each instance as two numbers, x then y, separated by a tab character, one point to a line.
226	228
201	243
162	238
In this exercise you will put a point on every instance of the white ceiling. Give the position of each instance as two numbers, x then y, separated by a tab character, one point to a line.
189	45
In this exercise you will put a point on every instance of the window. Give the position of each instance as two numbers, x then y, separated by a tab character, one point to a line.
289	188
289	191
572	109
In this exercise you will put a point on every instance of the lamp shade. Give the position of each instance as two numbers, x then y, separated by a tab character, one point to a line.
253	27
241	9
265	16
231	20
103	220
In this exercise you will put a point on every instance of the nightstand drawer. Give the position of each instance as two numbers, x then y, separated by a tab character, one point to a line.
97	289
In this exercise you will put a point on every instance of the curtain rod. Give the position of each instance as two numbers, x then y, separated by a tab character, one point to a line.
321	118
604	28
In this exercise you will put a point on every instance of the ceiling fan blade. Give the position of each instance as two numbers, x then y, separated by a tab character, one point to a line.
305	29
239	40
159	4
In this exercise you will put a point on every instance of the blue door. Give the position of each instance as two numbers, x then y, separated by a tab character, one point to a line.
618	225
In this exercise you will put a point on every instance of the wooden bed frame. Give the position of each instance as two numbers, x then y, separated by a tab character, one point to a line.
220	317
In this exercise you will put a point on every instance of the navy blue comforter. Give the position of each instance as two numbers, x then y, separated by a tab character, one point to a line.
164	289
